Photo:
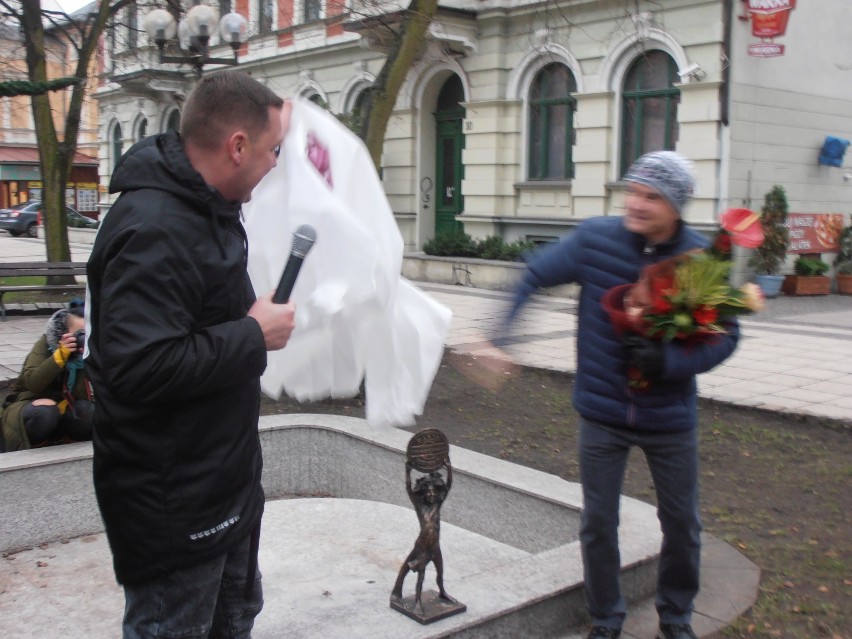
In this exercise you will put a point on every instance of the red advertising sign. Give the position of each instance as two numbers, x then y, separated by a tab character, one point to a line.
769	17
765	50
814	232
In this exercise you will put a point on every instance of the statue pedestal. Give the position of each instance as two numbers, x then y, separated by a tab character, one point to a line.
434	608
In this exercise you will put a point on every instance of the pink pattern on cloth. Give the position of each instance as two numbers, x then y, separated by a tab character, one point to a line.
319	157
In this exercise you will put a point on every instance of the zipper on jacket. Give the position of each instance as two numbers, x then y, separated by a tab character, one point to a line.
649	252
631	408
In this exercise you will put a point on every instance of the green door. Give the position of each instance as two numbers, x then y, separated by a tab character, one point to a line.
449	170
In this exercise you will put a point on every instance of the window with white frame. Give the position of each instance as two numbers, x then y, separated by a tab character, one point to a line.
173	121
132	26
312	10
551	119
116	145
360	108
142	129
265	15
649	101
317	99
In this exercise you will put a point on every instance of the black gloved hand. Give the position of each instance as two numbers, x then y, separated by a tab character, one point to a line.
645	355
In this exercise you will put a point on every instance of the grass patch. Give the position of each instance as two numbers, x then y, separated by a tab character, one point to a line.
35	297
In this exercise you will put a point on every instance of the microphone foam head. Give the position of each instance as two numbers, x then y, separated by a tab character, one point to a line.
303	239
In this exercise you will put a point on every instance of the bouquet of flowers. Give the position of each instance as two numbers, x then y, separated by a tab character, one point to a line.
686	297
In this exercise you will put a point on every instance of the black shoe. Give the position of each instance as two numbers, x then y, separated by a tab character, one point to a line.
600	632
676	631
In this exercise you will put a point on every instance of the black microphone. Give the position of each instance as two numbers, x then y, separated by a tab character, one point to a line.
303	240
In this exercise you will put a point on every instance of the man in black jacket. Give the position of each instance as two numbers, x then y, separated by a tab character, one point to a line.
177	345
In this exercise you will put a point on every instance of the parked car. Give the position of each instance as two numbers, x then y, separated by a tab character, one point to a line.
25	218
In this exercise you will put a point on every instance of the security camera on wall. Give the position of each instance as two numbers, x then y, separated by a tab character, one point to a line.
693	71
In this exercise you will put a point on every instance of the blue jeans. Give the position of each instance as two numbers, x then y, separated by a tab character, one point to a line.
673	461
205	601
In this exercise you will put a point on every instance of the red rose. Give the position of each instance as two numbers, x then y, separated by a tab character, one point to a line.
661	305
723	243
704	315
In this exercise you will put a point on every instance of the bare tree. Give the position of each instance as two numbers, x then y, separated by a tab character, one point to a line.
404	33
57	145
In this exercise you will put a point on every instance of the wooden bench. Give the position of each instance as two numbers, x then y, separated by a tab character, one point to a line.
39	269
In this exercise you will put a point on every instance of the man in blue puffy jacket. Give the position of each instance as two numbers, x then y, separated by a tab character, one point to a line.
660	420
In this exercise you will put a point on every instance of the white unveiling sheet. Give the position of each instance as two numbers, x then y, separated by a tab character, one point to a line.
356	317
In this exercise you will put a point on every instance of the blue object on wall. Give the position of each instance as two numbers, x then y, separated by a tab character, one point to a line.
833	150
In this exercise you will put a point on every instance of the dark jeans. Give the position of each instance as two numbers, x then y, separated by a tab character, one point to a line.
206	601
673	460
45	423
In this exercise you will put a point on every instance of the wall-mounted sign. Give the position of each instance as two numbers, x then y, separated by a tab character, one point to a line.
765	50
769	17
814	232
768	20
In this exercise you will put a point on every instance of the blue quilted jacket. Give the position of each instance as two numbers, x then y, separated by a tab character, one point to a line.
598	255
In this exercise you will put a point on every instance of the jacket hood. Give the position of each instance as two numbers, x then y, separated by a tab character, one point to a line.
159	162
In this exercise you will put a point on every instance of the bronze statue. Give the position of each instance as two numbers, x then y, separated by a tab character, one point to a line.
428	451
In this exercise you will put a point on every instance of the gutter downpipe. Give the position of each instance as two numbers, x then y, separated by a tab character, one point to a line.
725	107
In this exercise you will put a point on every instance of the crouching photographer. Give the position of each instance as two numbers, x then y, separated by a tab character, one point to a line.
51	401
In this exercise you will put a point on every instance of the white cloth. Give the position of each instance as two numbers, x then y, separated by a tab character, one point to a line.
356	317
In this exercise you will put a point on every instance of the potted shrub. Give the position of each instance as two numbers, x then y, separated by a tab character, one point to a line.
809	278
843	264
844	278
768	258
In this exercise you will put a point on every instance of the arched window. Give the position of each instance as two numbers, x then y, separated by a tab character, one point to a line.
173	121
316	98
552	123
142	129
117	146
649	107
359	109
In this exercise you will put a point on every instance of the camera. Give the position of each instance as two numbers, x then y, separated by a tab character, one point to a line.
80	339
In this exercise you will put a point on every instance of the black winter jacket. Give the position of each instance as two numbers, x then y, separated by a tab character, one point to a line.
175	364
597	255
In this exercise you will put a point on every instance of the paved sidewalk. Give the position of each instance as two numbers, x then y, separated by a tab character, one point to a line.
794	357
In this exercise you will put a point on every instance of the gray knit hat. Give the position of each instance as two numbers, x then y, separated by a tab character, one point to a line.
666	172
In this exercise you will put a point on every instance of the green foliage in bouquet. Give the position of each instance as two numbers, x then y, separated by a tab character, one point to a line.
695	299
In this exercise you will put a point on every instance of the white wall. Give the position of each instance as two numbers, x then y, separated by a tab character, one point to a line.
783	107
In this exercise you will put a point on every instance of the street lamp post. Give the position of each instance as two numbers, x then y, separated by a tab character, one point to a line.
194	35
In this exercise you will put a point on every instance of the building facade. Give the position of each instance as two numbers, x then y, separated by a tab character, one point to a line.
20	172
519	118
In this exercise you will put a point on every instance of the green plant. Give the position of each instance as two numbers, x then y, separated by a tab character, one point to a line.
844	268
451	244
494	247
844	241
768	258
460	244
810	266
